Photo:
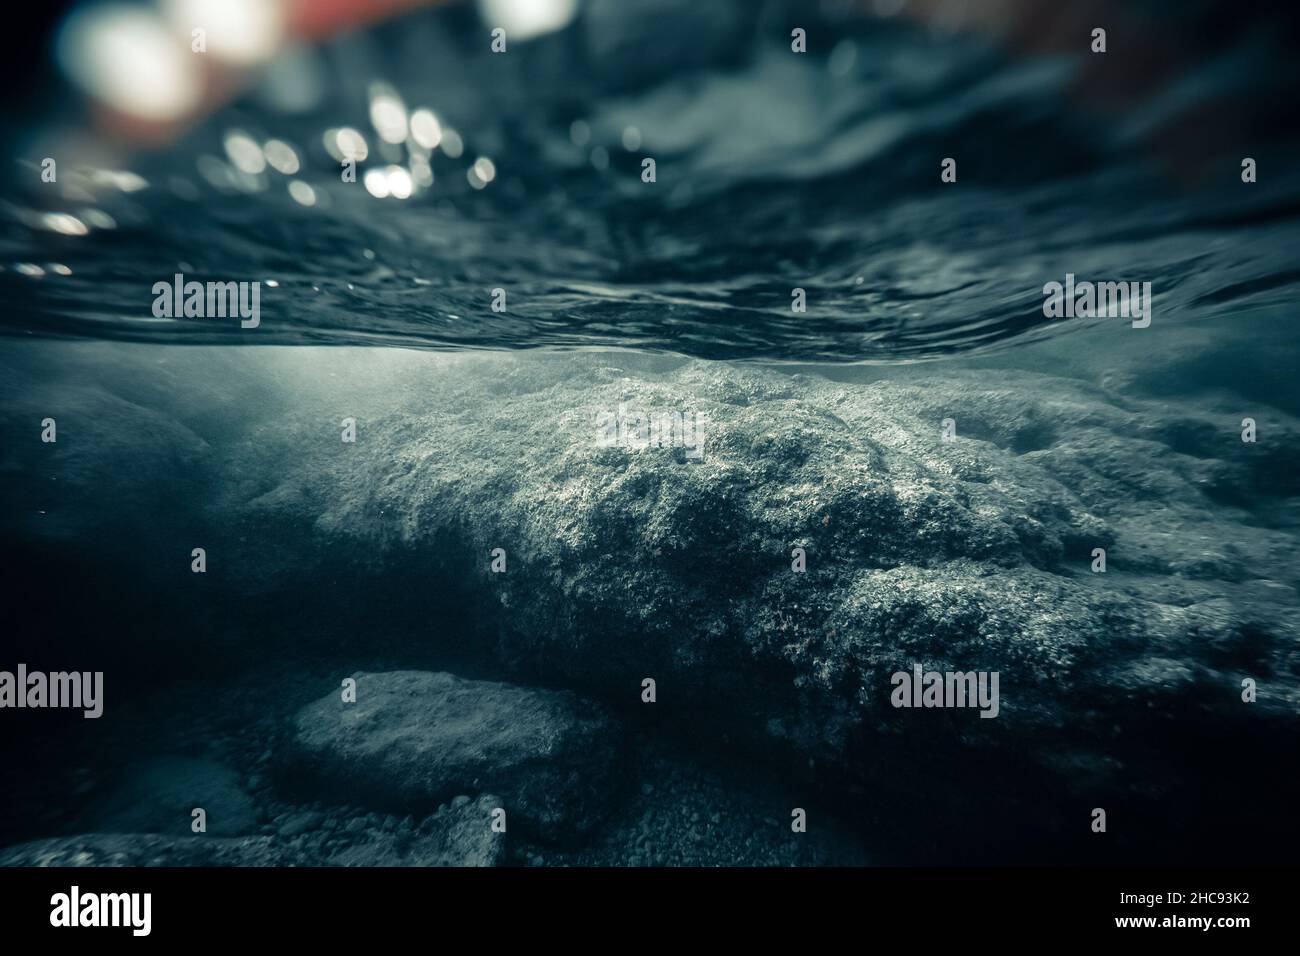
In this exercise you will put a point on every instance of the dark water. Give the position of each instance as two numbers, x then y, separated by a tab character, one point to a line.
774	171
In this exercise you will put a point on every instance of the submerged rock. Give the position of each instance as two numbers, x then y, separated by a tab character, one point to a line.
414	738
150	849
625	563
456	835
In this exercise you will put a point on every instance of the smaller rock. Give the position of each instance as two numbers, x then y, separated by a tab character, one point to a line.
413	739
299	823
450	837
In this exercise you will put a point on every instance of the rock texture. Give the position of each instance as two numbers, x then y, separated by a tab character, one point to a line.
971	554
457	834
413	738
150	849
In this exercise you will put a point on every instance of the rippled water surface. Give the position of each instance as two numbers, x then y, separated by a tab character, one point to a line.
774	172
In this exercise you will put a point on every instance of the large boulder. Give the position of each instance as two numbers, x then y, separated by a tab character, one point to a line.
626	563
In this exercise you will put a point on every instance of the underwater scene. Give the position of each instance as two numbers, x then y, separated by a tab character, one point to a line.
648	433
